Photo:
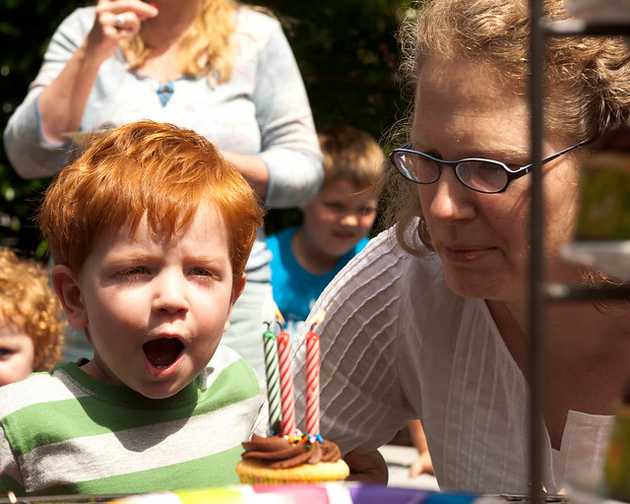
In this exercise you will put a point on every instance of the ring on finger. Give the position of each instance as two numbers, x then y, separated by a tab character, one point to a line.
119	20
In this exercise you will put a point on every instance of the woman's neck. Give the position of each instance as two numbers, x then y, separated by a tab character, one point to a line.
309	256
166	29
512	315
586	354
585	328
581	340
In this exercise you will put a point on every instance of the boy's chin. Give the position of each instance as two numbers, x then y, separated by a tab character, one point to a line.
158	395
99	370
159	391
339	252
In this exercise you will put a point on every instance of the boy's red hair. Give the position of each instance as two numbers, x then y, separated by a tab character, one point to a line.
146	167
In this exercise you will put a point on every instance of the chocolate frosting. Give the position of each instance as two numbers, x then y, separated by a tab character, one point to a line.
284	452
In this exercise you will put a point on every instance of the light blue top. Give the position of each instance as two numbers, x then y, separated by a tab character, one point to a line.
262	110
295	289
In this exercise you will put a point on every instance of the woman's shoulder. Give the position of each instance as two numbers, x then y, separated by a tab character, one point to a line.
79	22
381	279
383	256
379	273
257	23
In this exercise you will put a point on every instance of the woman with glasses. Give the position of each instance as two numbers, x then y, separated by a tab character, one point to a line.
430	320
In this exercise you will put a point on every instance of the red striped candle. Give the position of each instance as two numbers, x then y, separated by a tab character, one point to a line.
312	382
287	400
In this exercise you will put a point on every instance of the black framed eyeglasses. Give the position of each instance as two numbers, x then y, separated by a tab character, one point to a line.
479	174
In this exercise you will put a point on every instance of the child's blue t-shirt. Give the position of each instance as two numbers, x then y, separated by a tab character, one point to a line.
295	290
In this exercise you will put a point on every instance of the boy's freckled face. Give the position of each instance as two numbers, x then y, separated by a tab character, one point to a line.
339	216
16	355
155	310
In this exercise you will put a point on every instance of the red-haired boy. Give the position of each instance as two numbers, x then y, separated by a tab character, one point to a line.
150	230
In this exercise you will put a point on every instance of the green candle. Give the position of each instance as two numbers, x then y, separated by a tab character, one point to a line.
271	374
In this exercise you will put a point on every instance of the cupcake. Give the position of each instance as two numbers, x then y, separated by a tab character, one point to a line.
291	459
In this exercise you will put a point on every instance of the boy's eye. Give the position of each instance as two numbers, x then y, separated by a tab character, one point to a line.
366	210
134	272
205	274
139	270
201	271
5	352
335	206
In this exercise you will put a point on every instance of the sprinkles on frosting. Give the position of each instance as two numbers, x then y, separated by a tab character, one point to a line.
308	440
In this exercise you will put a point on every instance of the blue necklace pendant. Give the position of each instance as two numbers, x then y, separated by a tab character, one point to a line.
165	92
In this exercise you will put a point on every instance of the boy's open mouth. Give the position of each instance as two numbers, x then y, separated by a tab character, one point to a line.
163	352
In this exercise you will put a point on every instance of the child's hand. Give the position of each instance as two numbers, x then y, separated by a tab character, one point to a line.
369	467
116	21
422	465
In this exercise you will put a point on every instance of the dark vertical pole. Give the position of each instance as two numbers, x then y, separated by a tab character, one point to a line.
536	316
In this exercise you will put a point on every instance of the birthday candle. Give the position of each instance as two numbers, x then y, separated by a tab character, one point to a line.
271	374
286	383
312	382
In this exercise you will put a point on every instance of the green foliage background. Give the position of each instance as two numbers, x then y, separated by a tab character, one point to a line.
346	50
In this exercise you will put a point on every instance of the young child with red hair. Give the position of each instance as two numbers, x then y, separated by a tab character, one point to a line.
150	229
31	327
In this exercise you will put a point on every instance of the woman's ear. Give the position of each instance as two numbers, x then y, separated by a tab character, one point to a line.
69	293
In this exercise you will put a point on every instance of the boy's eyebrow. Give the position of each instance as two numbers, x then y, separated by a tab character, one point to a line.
142	255
205	259
132	255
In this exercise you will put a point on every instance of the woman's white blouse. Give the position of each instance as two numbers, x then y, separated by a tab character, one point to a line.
397	344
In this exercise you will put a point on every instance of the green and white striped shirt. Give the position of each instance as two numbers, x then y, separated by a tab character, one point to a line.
64	432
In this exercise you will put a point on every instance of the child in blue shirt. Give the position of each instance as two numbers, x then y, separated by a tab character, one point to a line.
334	229
335	223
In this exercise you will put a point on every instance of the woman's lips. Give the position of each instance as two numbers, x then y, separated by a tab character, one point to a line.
467	254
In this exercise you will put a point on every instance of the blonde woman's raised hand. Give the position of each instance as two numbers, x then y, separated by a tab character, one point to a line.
116	21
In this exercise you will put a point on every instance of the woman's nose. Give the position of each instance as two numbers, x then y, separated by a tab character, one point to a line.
449	198
170	292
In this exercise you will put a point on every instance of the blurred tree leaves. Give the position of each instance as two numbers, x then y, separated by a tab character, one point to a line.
348	56
346	50
25	27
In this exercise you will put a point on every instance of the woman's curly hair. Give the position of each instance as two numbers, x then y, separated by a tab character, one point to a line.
587	79
28	304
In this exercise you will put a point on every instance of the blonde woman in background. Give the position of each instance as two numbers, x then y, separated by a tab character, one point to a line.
213	66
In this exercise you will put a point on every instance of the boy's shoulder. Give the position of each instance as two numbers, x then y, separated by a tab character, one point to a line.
39	388
279	244
228	372
283	236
